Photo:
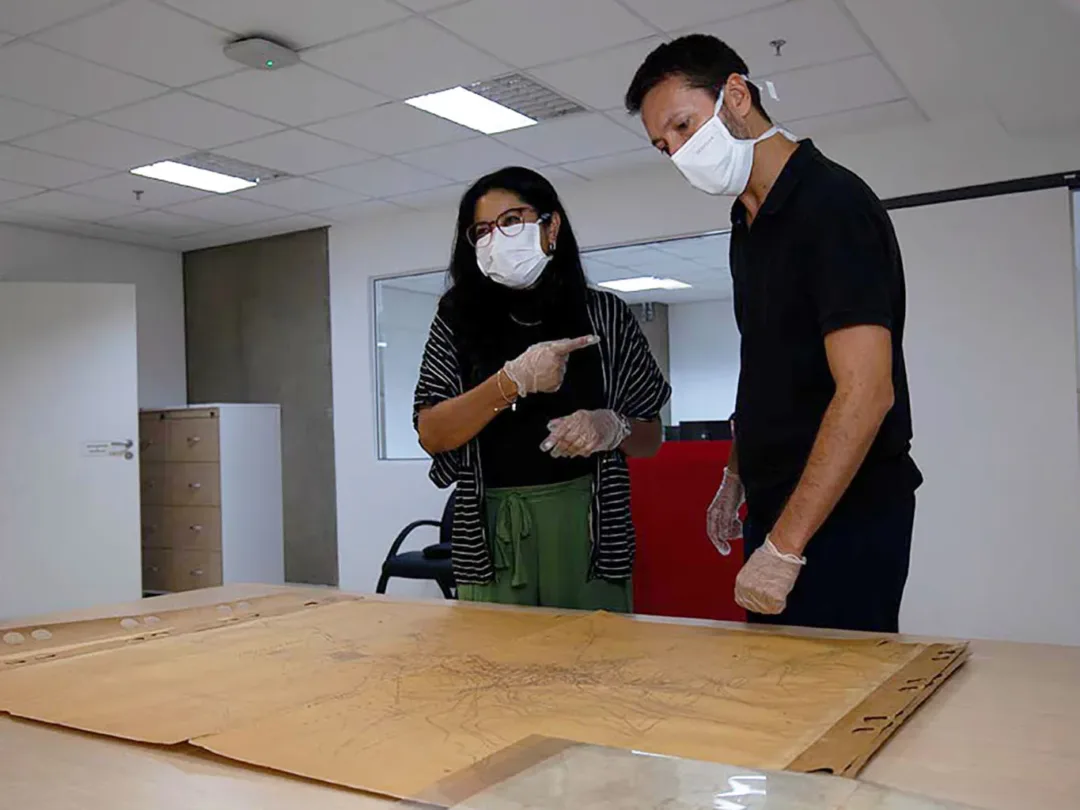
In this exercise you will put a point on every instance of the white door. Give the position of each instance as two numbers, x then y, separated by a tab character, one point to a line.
69	483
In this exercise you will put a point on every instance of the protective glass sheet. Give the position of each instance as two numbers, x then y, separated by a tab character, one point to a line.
394	697
610	779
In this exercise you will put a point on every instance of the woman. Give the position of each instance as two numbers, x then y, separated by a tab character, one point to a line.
533	389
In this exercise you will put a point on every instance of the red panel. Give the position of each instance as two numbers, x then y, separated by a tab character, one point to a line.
678	572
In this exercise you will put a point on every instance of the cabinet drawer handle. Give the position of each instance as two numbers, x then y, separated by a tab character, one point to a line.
145	444
194	440
198	572
154	569
195	485
196	528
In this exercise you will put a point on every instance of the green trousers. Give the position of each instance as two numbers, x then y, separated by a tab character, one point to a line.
541	546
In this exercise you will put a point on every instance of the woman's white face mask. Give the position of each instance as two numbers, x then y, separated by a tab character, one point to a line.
715	161
514	261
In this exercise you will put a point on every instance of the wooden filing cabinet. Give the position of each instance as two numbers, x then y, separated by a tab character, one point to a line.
211	496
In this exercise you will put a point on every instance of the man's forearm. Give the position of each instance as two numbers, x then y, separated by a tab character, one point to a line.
846	434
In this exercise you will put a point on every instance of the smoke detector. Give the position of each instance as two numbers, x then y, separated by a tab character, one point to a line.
261	53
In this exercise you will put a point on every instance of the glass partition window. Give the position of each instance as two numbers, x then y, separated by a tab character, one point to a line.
680	291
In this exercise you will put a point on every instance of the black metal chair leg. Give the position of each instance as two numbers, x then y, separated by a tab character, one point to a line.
447	590
384	580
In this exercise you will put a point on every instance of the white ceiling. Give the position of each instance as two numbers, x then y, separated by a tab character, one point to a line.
700	261
92	88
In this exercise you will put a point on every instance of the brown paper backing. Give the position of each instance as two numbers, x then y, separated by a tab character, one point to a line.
394	697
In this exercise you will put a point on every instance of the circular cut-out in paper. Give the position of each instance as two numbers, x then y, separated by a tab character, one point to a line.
41	635
129	624
14	638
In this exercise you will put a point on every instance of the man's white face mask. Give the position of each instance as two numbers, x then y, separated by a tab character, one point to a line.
715	161
514	261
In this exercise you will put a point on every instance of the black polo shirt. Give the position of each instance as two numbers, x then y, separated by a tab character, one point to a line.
821	255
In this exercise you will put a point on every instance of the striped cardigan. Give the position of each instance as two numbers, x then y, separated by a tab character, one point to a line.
633	386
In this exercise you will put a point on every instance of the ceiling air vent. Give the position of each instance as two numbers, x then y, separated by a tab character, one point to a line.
526	96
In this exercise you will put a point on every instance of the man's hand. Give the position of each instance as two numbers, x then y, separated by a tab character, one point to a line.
722	519
766	580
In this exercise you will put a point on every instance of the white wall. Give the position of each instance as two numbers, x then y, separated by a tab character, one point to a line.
376	498
704	344
991	352
32	255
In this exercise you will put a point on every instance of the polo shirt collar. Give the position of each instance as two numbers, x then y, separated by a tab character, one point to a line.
786	182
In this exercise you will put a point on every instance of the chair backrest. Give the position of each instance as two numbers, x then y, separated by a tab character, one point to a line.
447	524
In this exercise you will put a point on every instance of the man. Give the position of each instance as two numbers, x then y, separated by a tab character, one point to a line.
822	418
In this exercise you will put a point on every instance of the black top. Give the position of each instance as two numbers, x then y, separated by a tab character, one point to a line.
820	256
510	444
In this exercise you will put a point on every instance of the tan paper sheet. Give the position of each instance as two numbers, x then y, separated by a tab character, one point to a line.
392	697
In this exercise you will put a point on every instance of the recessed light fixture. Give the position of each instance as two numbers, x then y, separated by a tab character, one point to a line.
193	177
471	110
643	284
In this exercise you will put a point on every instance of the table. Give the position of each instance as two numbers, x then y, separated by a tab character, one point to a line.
1003	733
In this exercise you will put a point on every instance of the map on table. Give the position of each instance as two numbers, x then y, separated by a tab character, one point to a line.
394	697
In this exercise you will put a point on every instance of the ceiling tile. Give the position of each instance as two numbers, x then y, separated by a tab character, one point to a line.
33	219
15	191
672	16
596	168
834	88
102	145
525	32
424	6
300	194
407	59
468	160
26	16
147	40
6	37
392	129
122	188
631	123
364	210
228	210
598	80
97	230
816	32
18	119
574	137
40	75
320	21
296	152
32	168
162	223
447	197
864	119
182	118
296	96
382	178
558	177
72	206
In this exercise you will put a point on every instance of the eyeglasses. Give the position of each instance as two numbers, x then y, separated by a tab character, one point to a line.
511	223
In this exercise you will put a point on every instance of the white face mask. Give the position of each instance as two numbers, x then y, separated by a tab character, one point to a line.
715	161
513	261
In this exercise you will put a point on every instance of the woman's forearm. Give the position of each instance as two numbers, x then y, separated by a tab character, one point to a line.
455	422
644	440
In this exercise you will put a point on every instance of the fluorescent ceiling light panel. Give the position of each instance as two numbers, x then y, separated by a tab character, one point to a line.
471	110
643	284
193	177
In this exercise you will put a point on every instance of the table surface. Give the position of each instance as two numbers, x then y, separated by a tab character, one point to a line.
1003	733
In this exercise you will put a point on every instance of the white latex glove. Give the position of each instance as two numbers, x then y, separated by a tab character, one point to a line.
722	523
766	580
542	367
584	433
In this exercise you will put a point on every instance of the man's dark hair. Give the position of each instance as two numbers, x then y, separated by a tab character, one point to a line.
704	61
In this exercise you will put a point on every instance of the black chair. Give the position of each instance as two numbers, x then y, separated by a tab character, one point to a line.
433	563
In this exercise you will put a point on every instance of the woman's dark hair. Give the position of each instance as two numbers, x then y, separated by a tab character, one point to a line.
704	61
478	308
